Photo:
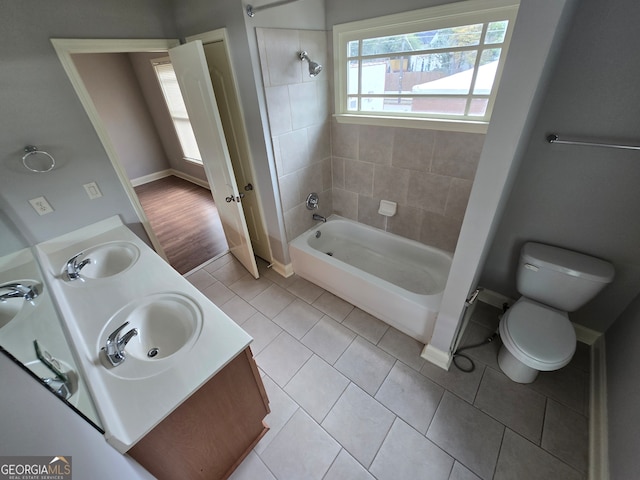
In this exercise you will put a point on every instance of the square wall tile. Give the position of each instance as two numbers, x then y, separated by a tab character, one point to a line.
344	140
283	64
375	144
413	148
391	183
358	177
279	111
456	154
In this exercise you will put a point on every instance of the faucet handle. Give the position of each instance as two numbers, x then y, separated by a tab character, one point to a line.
116	333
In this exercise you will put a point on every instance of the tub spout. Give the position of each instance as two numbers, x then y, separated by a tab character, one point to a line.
319	218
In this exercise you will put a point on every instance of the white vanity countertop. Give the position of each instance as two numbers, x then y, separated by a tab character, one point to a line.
130	408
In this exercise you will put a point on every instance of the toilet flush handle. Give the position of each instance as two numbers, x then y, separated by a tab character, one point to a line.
529	266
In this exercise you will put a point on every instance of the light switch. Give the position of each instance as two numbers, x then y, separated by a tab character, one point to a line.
41	205
92	190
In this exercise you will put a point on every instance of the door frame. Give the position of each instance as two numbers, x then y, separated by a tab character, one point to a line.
65	48
220	35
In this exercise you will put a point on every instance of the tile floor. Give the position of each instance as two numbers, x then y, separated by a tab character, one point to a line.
352	399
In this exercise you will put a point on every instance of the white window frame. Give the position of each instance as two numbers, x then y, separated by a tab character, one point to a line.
433	18
174	116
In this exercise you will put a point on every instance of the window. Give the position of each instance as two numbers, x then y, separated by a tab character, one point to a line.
433	68
177	110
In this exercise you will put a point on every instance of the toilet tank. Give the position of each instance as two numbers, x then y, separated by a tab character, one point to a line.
560	278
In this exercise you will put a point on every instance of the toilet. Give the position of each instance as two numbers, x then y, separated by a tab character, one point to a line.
536	332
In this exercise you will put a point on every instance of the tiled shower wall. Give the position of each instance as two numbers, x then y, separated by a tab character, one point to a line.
428	173
299	113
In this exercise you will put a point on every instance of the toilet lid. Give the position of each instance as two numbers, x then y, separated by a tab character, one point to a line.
543	335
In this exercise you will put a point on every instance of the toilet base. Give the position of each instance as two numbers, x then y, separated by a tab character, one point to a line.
514	368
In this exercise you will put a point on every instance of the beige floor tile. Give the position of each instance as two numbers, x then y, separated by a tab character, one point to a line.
328	339
407	454
365	364
467	434
515	405
298	318
359	423
282	358
365	325
301	450
566	435
522	460
316	387
410	395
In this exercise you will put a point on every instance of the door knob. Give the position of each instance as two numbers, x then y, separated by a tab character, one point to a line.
230	199
248	187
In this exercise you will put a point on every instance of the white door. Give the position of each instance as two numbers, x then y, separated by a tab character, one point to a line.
190	65
229	107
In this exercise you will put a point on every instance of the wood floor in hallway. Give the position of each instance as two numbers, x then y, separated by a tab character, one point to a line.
185	219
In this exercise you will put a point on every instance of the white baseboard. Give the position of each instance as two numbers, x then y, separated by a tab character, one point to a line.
598	418
190	178
284	270
437	356
152	177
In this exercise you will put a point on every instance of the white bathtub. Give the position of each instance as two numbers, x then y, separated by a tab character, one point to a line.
395	279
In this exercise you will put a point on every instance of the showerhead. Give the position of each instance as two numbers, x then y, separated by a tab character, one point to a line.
314	68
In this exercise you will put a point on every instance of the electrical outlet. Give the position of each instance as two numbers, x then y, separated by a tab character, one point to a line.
92	190
41	206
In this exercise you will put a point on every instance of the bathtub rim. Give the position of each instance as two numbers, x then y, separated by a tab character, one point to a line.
300	242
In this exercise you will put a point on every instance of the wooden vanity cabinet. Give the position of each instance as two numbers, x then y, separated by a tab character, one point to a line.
210	434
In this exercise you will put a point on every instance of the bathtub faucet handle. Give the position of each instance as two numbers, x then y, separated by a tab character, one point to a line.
312	201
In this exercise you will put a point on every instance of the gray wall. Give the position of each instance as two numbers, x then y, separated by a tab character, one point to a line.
40	107
583	198
116	93
159	112
39	423
623	393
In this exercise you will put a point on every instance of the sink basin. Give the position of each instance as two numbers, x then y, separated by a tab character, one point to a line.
12	307
167	323
107	259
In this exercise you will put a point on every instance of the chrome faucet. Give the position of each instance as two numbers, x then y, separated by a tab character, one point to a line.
319	218
18	290
114	347
73	267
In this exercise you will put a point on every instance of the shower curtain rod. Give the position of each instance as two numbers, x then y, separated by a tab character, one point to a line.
251	10
553	138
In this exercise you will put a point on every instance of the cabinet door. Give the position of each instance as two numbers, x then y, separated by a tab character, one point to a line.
213	430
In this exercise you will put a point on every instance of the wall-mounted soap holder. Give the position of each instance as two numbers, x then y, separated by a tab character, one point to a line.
312	201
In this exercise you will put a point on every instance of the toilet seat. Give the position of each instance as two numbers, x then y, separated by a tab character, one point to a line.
537	335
